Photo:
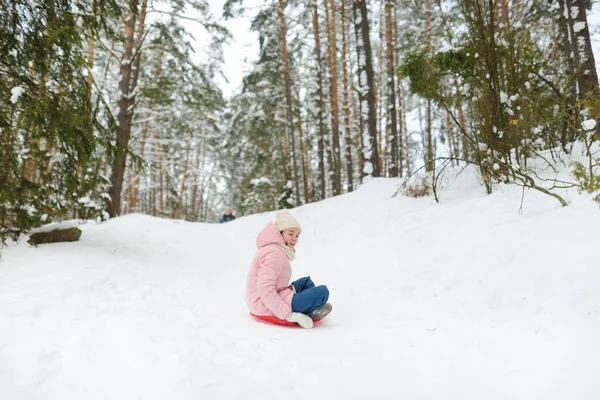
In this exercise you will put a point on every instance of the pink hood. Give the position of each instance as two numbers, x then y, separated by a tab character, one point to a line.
269	235
268	289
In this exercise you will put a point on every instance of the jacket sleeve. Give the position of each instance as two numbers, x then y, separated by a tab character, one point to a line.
271	266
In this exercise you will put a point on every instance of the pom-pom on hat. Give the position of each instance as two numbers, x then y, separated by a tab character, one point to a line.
284	220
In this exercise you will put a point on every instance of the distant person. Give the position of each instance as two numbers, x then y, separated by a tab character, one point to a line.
227	216
268	288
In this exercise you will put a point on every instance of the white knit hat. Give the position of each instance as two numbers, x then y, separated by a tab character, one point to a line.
284	220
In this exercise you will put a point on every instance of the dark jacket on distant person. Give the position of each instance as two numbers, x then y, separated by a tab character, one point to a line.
226	218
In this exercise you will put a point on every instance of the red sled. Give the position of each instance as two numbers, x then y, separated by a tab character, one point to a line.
276	321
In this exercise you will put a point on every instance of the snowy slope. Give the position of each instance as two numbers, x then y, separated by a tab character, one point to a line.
467	299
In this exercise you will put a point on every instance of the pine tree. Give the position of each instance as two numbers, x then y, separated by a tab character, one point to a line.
48	140
368	116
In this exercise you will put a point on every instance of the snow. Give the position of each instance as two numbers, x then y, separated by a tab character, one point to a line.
574	12
56	225
466	299
363	79
503	97
260	181
588	124
84	200
578	26
16	92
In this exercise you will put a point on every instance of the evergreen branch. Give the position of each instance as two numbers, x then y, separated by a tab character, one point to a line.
177	15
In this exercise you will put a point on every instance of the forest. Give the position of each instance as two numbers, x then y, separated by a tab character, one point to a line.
105	109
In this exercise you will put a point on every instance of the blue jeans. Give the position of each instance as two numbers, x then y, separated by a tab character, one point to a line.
308	297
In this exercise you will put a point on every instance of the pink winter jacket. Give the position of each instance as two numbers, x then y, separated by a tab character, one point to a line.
268	289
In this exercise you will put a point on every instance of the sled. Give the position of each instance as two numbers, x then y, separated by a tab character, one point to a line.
276	321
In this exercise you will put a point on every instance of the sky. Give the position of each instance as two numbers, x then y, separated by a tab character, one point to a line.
241	49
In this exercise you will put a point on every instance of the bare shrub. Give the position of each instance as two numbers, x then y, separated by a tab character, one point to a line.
419	187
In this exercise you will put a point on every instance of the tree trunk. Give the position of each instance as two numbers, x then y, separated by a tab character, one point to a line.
136	184
135	73
194	202
379	98
130	69
305	161
356	137
333	97
402	139
123	118
452	139
510	60
161	192
346	103
461	121
582	48
185	169
321	102
391	97
90	76
429	165
428	24
368	117
288	98
428	134
568	130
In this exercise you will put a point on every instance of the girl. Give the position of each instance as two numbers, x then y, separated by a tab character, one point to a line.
268	291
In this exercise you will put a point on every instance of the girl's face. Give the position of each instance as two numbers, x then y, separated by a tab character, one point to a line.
291	236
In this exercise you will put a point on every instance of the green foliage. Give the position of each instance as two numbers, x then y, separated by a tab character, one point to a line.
426	71
456	61
48	129
424	76
589	179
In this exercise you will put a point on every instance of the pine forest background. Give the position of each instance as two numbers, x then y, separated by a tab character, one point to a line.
105	109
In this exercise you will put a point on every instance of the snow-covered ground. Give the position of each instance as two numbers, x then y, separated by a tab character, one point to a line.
466	299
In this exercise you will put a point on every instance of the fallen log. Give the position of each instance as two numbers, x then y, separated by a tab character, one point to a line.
54	236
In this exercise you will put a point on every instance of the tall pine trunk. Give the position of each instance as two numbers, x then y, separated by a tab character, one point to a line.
333	96
403	135
429	166
582	49
288	99
346	103
305	160
568	129
123	118
320	100
462	122
185	168
380	86
391	96
130	70
193	202
368	117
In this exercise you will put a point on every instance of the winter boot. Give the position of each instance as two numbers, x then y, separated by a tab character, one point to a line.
321	313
